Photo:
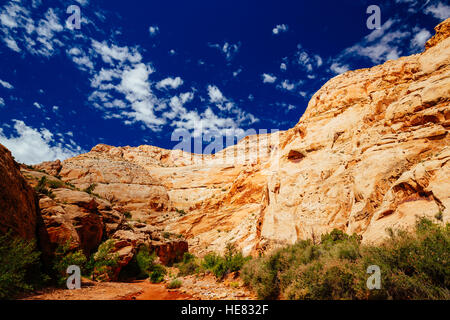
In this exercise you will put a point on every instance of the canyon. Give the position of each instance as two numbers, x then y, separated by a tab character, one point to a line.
371	152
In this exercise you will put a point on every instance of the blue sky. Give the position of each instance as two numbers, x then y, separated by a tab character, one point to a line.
138	71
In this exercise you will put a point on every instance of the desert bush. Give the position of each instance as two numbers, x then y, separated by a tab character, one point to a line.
127	214
104	261
64	258
414	265
54	184
157	273
42	188
20	269
220	266
174	284
91	188
188	265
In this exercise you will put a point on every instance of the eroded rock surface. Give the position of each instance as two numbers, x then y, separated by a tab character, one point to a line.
370	152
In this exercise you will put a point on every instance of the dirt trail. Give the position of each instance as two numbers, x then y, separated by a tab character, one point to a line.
193	288
152	291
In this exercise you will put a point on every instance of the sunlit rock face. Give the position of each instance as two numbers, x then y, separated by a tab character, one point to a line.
370	152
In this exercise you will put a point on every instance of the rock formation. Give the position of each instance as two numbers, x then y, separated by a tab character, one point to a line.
371	152
84	219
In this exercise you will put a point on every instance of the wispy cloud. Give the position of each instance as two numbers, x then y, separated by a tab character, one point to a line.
280	28
32	146
268	78
169	82
440	10
154	30
6	84
229	50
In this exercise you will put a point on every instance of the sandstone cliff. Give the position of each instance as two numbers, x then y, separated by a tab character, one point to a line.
19	208
370	152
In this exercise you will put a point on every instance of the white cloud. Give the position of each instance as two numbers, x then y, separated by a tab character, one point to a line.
112	54
386	43
286	85
283	66
81	59
37	105
2	102
177	104
419	40
215	95
338	68
268	78
169	83
309	62
32	146
439	11
227	49
12	44
21	31
6	85
280	28
153	30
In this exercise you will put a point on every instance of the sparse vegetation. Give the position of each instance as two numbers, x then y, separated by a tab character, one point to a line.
63	258
220	266
174	284
127	215
143	266
157	273
180	212
166	235
414	265
91	188
104	261
42	188
55	184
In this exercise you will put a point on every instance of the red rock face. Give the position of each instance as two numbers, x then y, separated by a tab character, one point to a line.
19	210
170	252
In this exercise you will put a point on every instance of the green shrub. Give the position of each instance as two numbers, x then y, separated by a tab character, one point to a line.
180	212
42	188
91	188
188	268
20	269
127	214
104	261
54	184
174	284
188	265
64	258
157	273
144	261
210	260
187	257
414	265
232	261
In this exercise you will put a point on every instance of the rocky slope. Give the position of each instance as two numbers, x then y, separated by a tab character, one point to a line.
19	208
370	152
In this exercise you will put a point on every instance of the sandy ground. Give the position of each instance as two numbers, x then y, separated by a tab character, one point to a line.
203	287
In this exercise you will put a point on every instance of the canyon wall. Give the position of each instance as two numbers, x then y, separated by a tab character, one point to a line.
371	152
